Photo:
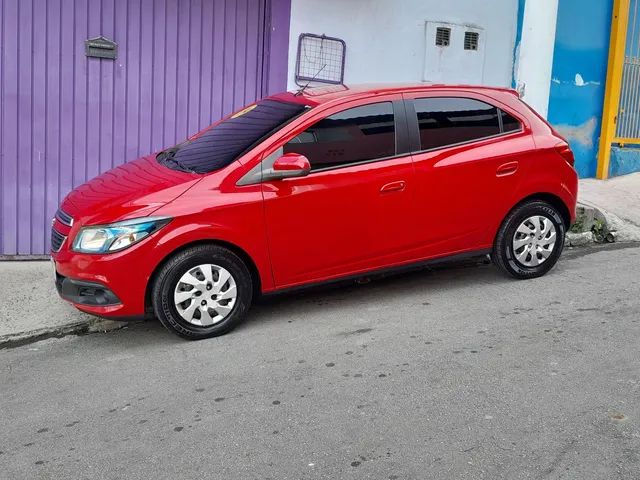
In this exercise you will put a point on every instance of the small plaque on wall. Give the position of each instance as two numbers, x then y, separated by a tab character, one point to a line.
101	47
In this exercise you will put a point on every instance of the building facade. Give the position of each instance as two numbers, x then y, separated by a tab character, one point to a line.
86	85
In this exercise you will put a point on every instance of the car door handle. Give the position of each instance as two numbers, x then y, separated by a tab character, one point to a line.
393	187
507	169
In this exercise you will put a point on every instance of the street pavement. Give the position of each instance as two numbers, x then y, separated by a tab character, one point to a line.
454	373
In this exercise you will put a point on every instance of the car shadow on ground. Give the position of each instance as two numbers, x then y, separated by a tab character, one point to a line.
419	285
400	283
292	306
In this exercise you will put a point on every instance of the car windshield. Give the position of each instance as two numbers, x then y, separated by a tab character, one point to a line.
227	140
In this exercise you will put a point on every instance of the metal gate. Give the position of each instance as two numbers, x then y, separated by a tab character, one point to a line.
65	117
628	121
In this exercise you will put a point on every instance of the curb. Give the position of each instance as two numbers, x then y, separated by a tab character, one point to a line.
579	239
597	225
78	328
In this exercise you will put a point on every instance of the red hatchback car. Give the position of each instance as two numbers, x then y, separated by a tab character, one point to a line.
314	186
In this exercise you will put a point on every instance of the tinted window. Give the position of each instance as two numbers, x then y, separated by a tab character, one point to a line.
355	135
509	124
222	144
449	120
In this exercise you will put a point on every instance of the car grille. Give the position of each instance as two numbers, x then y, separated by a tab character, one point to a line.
57	239
64	217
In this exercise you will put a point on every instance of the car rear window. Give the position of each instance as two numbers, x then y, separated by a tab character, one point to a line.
226	141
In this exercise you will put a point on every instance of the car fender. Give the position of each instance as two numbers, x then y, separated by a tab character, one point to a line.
190	233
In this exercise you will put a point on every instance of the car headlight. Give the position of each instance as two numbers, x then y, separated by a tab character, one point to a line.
116	236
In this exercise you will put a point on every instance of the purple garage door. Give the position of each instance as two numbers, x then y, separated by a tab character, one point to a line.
181	64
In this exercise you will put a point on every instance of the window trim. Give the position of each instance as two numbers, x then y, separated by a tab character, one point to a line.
414	128
355	164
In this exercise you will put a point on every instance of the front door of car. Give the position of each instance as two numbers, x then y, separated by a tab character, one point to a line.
353	211
467	153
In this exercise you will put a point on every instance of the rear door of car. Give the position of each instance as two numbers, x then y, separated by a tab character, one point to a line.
354	211
467	150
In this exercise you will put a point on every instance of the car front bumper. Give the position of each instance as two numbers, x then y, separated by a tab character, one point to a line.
84	293
104	285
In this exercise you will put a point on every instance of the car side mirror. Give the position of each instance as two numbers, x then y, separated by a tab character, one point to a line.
289	165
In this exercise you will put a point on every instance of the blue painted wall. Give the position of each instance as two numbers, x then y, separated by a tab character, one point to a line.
624	160
575	102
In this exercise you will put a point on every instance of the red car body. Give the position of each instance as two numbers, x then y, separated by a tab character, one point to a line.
410	208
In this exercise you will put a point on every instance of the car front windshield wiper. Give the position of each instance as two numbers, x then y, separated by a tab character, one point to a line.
167	158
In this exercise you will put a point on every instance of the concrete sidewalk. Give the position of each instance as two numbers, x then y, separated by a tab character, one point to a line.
31	309
619	195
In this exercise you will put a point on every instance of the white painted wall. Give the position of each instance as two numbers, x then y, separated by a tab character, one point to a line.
534	59
386	38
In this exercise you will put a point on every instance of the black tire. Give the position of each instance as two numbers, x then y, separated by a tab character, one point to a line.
503	255
167	279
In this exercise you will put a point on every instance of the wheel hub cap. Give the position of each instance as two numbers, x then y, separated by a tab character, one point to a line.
534	241
205	295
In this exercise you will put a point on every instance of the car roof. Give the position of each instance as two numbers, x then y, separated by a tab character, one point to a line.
318	95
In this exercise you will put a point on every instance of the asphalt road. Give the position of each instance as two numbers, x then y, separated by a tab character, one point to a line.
450	374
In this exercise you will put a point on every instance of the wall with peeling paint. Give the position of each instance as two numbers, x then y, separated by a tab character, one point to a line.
578	77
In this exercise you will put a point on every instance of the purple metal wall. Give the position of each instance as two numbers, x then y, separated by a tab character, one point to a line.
64	118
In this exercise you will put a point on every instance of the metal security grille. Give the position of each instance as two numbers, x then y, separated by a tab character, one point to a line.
320	59
471	40
628	124
443	36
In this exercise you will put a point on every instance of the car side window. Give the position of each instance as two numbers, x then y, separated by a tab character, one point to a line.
355	135
447	121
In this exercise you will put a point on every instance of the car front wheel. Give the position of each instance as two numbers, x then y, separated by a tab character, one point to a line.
202	292
530	240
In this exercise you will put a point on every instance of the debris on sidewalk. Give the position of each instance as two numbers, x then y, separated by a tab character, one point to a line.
596	225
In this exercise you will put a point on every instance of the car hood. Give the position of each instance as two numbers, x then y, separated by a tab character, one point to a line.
134	189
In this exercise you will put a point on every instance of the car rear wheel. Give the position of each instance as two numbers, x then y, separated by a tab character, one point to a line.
530	240
202	292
